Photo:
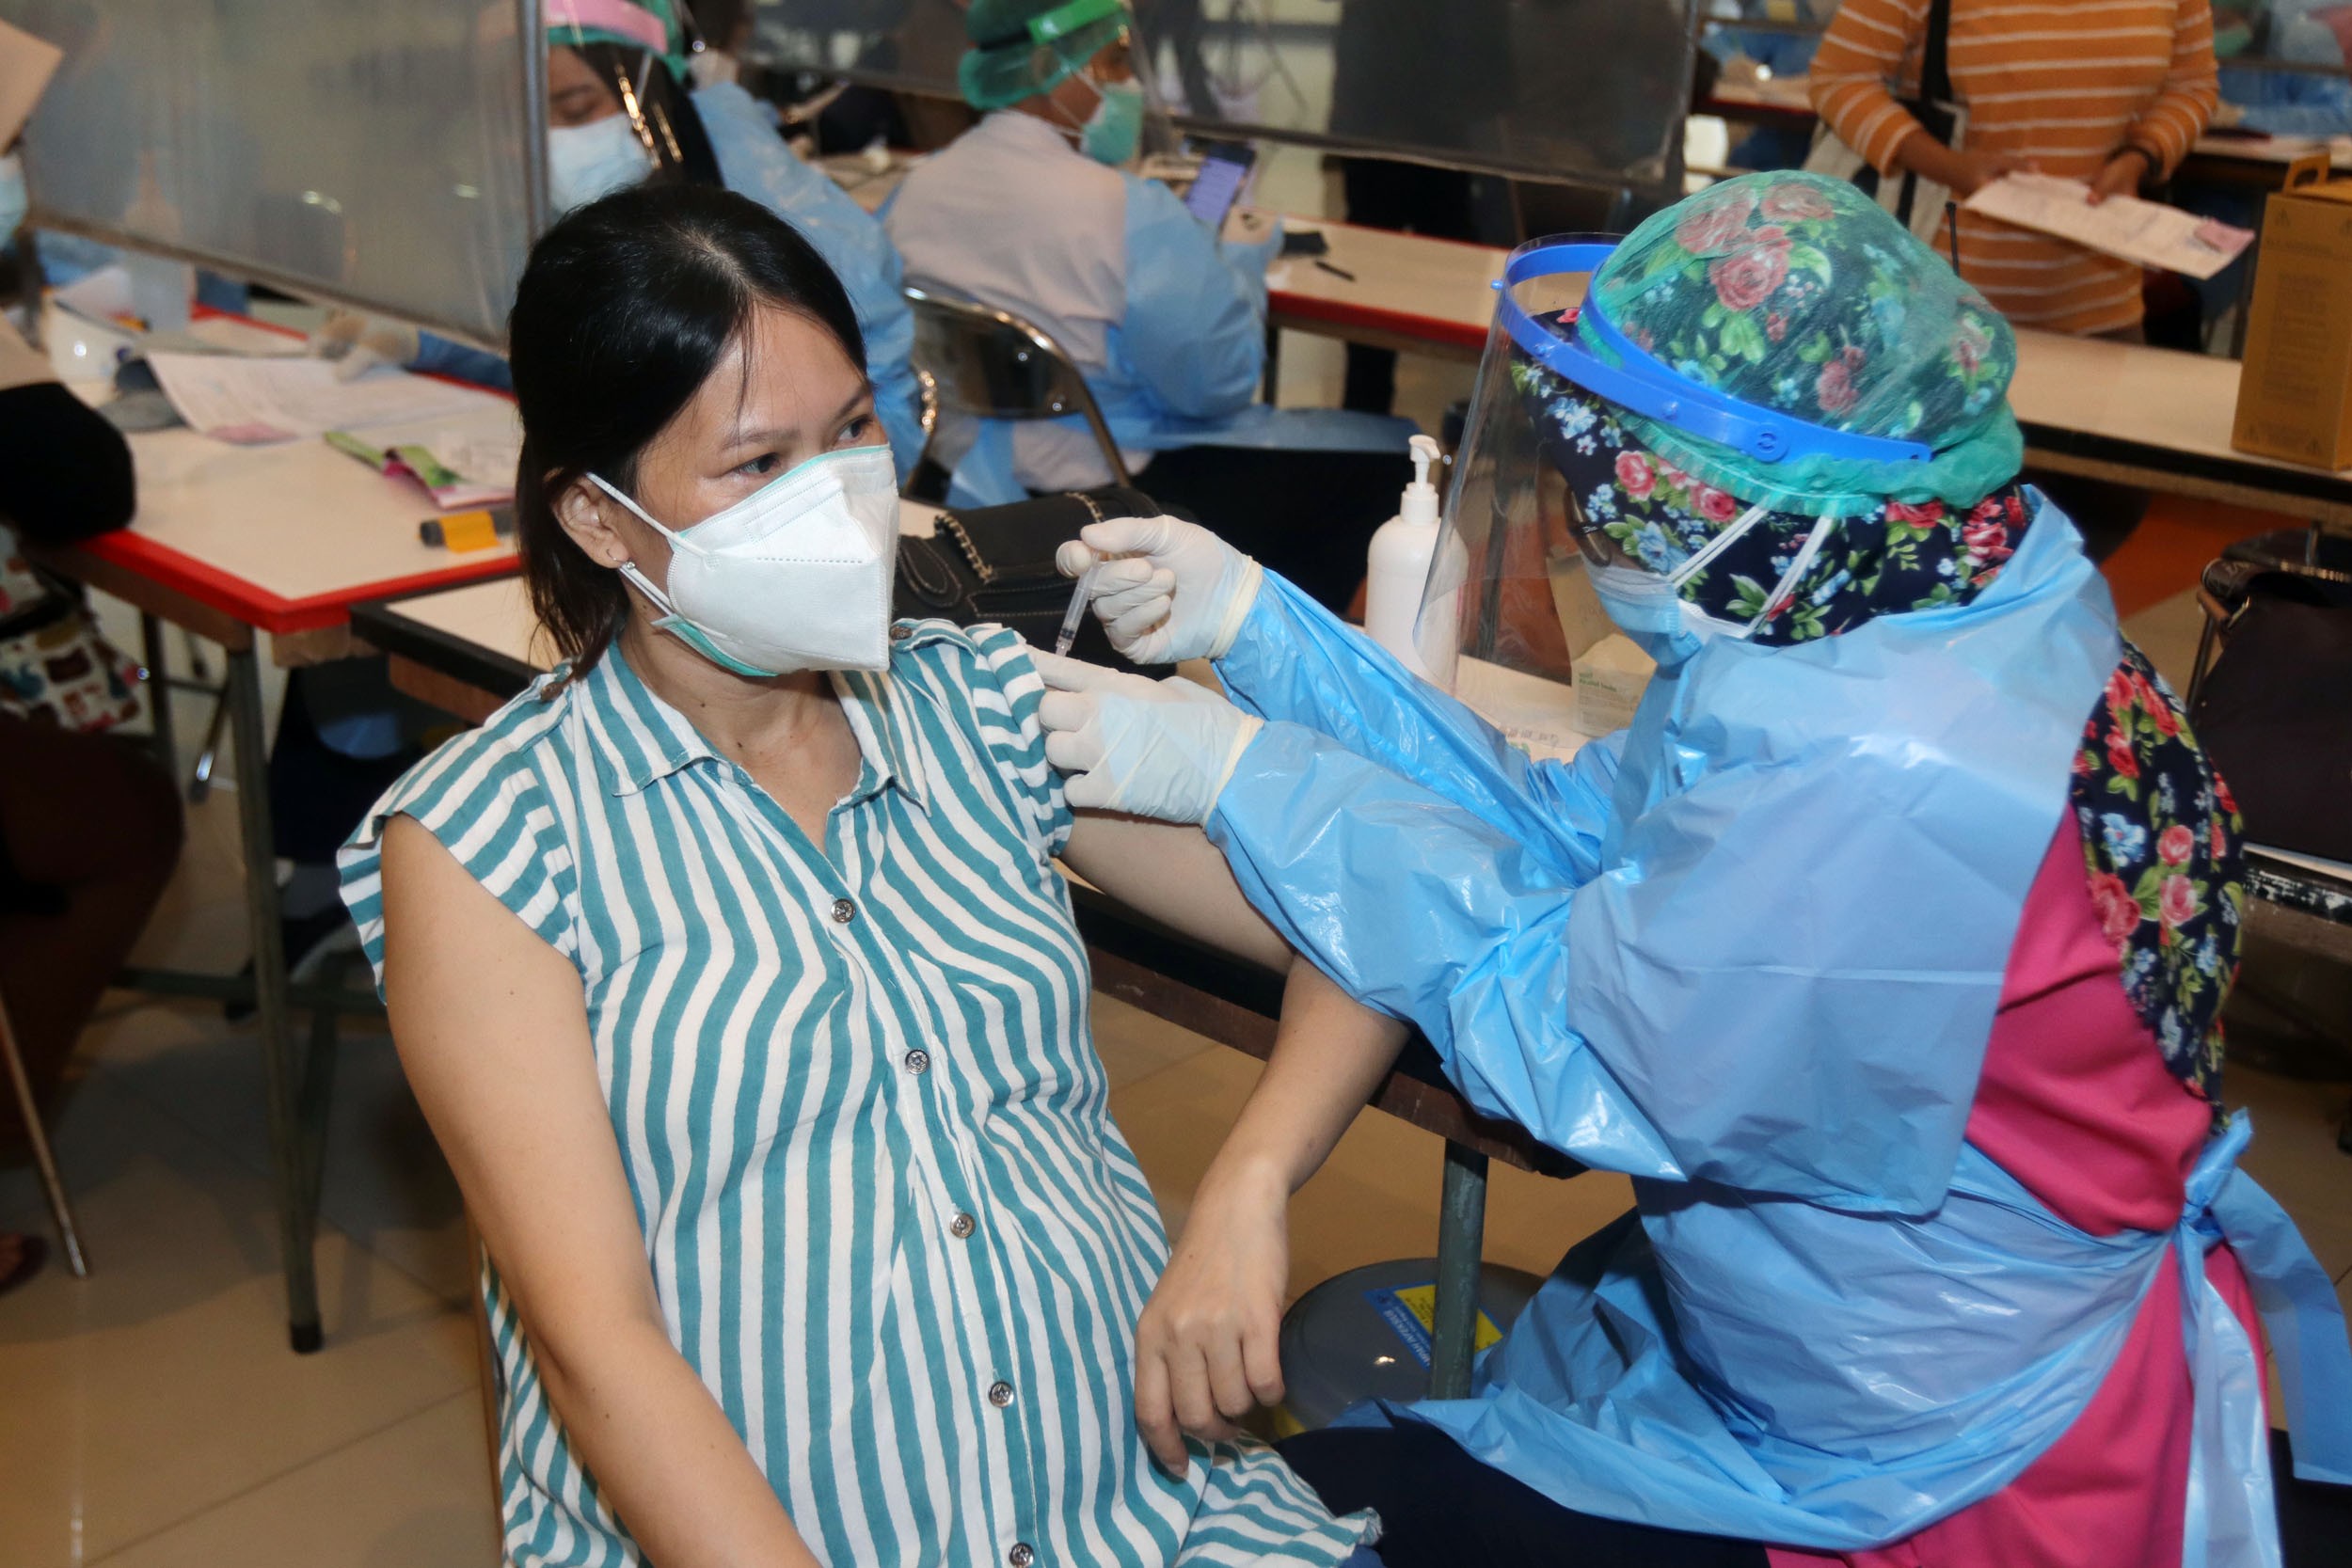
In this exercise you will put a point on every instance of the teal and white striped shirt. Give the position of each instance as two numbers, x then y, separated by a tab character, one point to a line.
891	1223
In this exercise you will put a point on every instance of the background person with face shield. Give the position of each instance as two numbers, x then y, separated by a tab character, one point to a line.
621	113
1031	212
623	110
1885	949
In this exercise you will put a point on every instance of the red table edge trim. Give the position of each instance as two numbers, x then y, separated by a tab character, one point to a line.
1431	329
267	611
257	607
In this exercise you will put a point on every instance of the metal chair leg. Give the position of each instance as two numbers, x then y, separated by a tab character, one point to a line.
200	777
1461	1247
298	1220
68	1235
158	674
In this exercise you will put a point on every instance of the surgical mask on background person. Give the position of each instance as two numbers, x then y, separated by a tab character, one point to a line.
585	161
795	575
14	199
1114	130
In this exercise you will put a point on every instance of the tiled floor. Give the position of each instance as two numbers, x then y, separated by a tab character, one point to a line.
154	1416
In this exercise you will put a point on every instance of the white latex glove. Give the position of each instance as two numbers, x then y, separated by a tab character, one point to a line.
1162	749
1167	589
359	343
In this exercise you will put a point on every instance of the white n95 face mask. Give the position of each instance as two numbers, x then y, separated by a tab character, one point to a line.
585	161
795	575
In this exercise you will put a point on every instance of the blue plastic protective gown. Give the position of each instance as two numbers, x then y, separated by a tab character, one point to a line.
755	162
1749	952
2289	102
1184	359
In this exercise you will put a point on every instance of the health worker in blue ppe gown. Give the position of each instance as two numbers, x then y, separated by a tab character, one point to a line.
1885	949
1033	212
621	110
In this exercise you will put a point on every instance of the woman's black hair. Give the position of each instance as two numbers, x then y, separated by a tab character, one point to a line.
682	146
626	308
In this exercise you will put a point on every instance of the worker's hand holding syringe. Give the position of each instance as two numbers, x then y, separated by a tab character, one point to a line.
1163	588
1207	1347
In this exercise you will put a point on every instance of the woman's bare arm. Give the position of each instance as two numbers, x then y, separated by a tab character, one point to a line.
494	1035
1206	1346
1175	875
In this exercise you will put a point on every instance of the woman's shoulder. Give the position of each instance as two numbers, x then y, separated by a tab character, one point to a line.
984	683
984	665
507	755
487	797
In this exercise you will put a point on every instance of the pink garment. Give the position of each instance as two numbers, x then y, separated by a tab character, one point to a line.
2077	1104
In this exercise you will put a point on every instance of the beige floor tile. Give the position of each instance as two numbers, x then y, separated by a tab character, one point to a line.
163	1385
386	1186
1376	1197
1135	1044
2295	1159
414	1494
2167	632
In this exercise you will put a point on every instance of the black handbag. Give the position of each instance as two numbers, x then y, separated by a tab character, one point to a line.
996	564
2272	701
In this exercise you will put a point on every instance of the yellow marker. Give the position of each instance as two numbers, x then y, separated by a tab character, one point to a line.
464	530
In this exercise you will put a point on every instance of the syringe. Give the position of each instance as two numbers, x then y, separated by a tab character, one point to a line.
1076	613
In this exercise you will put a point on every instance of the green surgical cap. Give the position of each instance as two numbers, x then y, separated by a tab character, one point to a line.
1798	293
1021	48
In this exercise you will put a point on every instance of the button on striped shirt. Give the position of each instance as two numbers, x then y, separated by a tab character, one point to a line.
889	1218
2066	83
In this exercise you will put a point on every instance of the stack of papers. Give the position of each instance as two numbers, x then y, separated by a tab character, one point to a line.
252	402
466	461
2148	232
458	443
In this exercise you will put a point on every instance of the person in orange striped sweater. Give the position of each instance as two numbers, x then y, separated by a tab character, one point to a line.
2111	92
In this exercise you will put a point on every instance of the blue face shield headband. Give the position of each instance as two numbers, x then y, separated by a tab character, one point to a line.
1640	383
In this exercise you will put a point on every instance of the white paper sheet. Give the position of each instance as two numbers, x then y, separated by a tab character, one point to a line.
1534	714
252	402
2148	232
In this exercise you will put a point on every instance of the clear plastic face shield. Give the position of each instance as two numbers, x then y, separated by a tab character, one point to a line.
1511	619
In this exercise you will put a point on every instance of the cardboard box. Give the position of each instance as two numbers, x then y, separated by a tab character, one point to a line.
2295	395
26	63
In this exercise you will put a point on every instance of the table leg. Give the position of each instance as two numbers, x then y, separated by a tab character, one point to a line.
1461	1242
296	1217
158	691
1273	365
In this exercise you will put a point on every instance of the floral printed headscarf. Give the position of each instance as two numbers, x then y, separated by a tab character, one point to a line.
1797	293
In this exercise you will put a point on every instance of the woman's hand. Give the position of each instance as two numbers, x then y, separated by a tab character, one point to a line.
1963	173
2124	174
1206	1351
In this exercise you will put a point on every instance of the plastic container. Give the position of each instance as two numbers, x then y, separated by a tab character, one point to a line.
1397	570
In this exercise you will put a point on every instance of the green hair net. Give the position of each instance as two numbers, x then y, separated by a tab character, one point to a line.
1021	48
1796	291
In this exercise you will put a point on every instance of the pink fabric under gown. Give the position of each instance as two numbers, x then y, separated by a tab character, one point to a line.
2075	1103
